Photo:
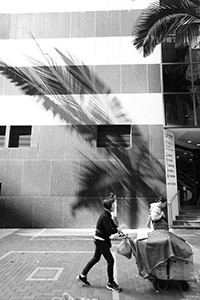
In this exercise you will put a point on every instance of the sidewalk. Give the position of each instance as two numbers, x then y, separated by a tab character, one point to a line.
39	264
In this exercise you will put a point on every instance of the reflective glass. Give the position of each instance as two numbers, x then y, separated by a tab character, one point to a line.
179	109
181	84
172	54
195	55
197	98
177	78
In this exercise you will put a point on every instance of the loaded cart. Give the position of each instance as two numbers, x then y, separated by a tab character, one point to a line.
162	256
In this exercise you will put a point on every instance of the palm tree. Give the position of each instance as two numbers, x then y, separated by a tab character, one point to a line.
168	18
178	18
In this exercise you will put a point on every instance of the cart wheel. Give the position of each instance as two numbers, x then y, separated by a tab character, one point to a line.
161	285
184	286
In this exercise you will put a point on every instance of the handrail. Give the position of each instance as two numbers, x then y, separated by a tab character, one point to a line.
171	215
173	197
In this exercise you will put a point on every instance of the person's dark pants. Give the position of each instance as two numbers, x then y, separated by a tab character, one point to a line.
101	248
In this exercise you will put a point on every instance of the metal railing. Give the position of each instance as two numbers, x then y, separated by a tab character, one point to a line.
171	216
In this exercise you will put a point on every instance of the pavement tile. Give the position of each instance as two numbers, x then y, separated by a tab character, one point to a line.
23	251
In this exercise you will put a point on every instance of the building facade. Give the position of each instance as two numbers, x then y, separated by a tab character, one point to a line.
52	174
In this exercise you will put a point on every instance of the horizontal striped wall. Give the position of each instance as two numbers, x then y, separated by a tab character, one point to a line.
22	6
97	34
91	51
117	78
24	110
77	24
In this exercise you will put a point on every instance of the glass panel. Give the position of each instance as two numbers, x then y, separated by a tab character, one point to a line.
179	110
196	55
196	76
168	50
177	83
172	54
176	78
197	97
187	56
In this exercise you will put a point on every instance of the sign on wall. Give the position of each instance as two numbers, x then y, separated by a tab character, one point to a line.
171	176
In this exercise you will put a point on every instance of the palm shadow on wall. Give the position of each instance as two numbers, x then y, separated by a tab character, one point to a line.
132	173
74	92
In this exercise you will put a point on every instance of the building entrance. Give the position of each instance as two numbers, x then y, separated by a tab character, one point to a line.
188	175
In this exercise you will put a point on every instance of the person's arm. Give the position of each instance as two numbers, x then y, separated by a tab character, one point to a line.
110	226
116	221
156	214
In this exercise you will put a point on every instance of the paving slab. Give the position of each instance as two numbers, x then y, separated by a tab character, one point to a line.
41	264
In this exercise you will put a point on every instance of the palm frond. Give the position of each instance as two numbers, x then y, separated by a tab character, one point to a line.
96	90
71	87
158	21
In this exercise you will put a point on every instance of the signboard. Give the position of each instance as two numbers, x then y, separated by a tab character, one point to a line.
171	177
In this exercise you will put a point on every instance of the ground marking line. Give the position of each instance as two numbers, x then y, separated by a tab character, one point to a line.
65	234
54	278
67	239
115	294
38	234
43	251
4	256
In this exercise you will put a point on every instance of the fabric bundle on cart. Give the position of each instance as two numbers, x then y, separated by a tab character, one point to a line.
157	248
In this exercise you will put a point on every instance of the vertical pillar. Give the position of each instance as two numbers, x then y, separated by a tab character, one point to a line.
171	176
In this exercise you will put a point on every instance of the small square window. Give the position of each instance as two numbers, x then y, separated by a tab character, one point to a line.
2	136
114	136
20	136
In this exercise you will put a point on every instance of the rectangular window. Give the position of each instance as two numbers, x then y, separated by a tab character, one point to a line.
114	136
181	74
20	136
2	136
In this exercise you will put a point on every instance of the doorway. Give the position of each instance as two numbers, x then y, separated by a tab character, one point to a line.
188	175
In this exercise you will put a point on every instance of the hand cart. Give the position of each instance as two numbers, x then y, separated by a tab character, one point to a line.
163	257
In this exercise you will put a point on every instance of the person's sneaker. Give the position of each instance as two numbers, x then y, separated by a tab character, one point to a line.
83	279
113	286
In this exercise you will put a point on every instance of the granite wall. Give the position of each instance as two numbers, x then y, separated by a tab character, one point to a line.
42	185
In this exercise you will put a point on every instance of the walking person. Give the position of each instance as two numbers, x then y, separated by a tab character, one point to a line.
104	229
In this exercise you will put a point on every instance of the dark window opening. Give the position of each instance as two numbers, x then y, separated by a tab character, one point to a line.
20	136
2	136
114	136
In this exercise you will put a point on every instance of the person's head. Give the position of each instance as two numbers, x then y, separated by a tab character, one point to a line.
162	201
112	196
109	204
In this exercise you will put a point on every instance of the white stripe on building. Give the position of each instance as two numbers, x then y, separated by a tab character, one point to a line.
91	51
24	6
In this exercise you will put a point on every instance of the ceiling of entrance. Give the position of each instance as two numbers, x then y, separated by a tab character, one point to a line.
189	138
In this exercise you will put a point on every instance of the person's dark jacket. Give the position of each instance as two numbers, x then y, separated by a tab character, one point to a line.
106	227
